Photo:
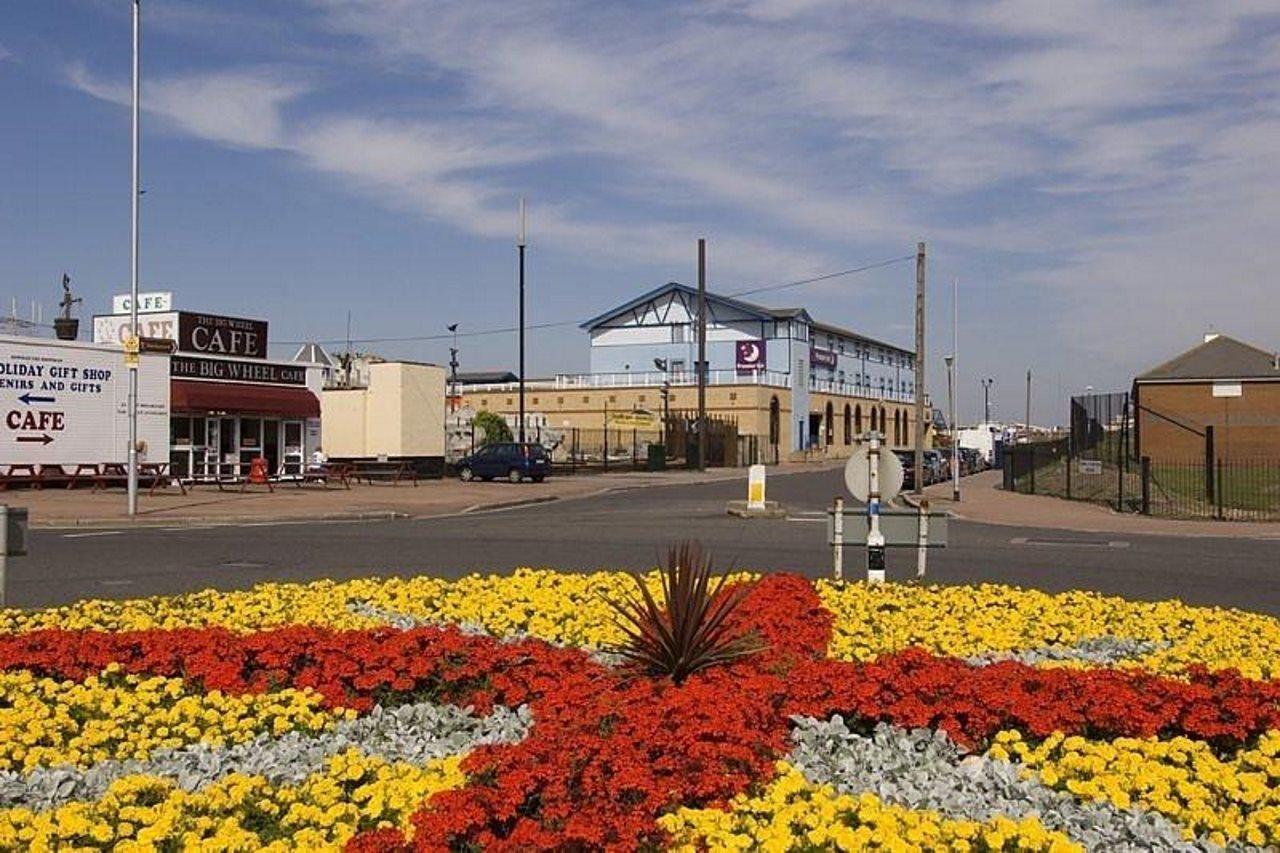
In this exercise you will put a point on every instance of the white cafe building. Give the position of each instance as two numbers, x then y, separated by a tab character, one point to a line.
228	402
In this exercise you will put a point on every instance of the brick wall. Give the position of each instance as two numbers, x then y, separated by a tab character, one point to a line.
1245	427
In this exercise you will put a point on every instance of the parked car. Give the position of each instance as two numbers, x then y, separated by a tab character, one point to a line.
908	460
508	460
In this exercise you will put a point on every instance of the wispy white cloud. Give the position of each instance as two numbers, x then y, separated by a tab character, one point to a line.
1121	153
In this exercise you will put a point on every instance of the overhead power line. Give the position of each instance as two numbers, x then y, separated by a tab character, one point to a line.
506	330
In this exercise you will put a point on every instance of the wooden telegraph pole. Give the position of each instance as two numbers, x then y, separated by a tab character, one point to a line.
920	361
702	354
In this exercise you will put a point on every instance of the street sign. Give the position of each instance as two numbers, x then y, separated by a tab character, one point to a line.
901	528
163	346
857	474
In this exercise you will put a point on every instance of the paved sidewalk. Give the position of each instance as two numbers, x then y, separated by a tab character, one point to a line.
59	507
982	500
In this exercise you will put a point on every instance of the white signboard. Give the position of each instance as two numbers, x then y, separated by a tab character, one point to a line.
1227	389
64	404
114	328
148	303
1090	466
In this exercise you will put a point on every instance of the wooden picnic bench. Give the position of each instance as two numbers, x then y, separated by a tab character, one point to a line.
368	471
340	472
22	473
151	474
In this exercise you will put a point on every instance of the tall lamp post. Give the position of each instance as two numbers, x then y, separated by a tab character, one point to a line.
986	400
955	433
453	369
131	356
520	245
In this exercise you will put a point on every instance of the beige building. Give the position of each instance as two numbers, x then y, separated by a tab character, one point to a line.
398	415
764	411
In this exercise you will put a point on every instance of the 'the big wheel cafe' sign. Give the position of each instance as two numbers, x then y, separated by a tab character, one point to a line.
65	403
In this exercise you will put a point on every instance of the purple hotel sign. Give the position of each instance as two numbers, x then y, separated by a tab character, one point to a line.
822	357
749	355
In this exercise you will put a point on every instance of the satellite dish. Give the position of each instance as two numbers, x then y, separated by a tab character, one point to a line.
857	474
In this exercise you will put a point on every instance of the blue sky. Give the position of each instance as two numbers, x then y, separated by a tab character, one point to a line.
1101	177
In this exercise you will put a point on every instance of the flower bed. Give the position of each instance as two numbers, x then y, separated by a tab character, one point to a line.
481	714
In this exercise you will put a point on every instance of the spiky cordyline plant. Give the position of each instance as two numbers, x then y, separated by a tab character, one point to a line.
689	630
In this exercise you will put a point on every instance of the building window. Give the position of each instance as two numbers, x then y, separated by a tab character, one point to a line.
535	401
678	333
586	399
857	419
775	421
509	401
830	425
641	398
733	395
613	398
875	422
484	404
560	400
848	425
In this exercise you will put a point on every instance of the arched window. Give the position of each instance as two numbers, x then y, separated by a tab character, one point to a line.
884	421
775	421
897	426
857	419
875	420
831	426
848	424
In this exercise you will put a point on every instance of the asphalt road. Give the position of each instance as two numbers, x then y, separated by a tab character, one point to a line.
628	529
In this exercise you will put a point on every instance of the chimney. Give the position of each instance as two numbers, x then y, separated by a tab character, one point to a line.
1208	336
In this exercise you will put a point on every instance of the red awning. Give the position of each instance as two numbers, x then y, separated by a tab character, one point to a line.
241	398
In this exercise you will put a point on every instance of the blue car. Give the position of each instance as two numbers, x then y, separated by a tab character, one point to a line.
507	460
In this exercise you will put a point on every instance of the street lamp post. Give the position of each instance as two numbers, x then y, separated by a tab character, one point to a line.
955	432
131	357
986	400
453	369
520	245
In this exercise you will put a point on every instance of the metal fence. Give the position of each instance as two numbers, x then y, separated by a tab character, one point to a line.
1098	462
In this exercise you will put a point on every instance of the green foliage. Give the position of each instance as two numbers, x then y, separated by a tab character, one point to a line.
691	629
495	429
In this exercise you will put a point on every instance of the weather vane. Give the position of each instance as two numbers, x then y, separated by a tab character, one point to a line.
67	299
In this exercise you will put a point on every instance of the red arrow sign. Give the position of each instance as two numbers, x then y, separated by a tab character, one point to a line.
43	439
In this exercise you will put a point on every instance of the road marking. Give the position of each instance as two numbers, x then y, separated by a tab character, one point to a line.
95	533
117	582
1068	543
798	518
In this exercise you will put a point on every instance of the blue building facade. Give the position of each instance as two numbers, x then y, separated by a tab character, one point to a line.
824	370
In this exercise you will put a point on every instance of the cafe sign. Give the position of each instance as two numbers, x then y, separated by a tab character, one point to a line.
228	370
213	334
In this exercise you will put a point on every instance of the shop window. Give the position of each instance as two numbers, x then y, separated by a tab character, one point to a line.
180	430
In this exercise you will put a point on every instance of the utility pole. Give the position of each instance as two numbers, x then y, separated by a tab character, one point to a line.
920	361
520	245
1028	421
131	357
702	354
953	382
